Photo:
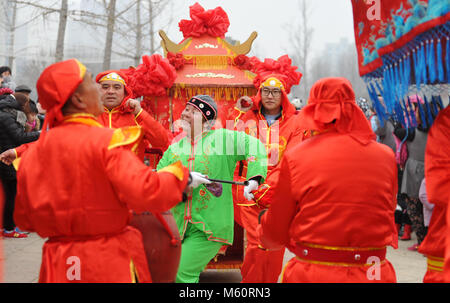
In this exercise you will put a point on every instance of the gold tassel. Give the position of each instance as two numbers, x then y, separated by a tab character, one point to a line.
220	42
218	93
205	62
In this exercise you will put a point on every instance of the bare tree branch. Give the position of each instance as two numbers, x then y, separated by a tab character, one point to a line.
124	54
125	10
34	4
88	22
82	13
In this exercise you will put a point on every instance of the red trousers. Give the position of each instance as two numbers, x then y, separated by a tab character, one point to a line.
297	271
433	277
435	270
260	265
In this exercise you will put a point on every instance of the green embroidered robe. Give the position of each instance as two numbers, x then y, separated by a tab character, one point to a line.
214	153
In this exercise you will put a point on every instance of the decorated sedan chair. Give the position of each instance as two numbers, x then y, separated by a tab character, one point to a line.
204	62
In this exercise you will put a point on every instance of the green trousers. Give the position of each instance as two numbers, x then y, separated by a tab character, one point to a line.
196	252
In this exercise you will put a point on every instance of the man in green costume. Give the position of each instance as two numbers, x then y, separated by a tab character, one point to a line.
205	221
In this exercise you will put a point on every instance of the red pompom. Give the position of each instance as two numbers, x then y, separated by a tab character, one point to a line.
213	22
177	60
152	77
246	63
175	242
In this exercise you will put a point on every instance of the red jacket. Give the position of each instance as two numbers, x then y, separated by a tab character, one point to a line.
76	186
281	135
433	246
340	199
2	200
155	135
334	203
437	175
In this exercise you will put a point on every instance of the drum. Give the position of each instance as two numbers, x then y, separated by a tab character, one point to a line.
162	244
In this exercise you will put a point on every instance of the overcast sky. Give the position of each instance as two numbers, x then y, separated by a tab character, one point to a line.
330	19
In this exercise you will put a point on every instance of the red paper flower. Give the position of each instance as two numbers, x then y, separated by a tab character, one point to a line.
177	60
244	62
213	22
152	77
281	68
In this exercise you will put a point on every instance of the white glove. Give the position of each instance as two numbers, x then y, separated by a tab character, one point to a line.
197	179
252	185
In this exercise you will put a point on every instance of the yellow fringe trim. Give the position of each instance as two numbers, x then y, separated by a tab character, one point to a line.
210	61
224	46
218	93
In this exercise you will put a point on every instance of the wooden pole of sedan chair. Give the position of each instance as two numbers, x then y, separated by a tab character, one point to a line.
155	115
171	112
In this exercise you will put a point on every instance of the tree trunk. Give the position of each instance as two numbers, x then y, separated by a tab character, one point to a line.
59	54
12	36
152	32
306	46
138	53
109	35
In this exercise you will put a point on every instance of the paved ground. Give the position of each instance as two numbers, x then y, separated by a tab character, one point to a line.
22	259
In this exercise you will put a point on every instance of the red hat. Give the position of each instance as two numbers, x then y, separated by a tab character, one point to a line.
56	84
333	99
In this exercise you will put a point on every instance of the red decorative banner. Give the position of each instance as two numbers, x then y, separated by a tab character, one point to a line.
382	27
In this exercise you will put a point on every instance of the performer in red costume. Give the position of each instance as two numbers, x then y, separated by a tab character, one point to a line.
2	200
334	205
77	183
270	117
437	176
121	110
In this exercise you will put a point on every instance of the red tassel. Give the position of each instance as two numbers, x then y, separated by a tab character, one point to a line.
174	241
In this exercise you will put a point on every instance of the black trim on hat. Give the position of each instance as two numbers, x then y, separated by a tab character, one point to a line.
207	110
